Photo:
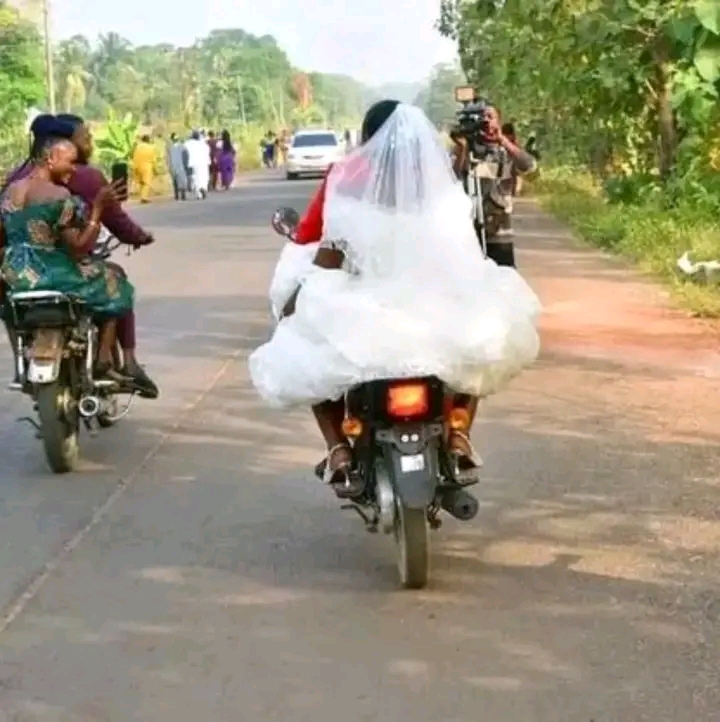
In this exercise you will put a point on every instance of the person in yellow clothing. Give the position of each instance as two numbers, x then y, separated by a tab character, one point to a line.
143	163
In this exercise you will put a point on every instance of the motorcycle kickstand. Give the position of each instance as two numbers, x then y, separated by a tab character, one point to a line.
33	423
371	523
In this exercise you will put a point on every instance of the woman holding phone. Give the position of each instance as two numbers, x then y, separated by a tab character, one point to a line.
87	182
46	229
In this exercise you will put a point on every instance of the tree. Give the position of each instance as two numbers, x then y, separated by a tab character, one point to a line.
437	98
72	61
622	81
228	77
22	83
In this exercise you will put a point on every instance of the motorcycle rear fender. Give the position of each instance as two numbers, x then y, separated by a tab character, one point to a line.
411	456
45	356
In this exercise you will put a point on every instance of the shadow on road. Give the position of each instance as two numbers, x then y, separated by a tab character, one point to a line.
229	579
575	579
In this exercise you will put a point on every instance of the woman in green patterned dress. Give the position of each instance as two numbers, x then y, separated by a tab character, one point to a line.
44	226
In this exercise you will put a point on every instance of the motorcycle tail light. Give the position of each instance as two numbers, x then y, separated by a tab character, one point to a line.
407	400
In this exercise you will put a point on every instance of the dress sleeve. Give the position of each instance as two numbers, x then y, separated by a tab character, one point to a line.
72	216
310	228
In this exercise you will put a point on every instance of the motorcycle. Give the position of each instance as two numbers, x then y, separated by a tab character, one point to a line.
398	430
56	342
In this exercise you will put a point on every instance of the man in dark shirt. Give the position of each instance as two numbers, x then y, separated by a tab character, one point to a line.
212	142
86	182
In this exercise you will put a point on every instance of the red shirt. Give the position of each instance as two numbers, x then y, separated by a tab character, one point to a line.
310	228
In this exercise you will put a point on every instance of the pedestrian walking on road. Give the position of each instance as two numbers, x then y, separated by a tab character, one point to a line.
226	161
268	144
177	164
143	164
199	164
214	148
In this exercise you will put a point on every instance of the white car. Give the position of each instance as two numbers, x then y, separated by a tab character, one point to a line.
311	152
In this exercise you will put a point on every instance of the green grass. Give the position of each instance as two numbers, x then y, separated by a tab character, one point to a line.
651	237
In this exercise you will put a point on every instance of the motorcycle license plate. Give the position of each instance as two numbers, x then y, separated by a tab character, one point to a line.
415	462
47	345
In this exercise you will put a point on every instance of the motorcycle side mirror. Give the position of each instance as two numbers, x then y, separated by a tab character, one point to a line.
285	221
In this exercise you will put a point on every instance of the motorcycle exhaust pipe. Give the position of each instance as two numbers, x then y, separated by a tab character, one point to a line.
460	504
89	406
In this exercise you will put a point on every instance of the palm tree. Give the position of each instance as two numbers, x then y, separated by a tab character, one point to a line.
113	52
188	82
72	62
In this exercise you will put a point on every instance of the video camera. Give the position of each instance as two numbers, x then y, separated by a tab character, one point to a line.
471	123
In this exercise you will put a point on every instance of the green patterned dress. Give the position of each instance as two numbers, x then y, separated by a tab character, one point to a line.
37	259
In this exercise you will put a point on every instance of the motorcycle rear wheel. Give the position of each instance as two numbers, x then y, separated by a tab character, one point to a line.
413	541
59	433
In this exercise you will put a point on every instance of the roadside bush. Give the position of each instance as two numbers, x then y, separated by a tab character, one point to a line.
643	222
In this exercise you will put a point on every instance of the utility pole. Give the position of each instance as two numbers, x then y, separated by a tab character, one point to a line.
49	69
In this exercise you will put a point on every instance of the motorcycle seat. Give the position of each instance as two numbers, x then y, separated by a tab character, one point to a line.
47	309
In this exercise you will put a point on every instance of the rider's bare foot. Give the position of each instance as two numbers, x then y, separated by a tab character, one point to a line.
339	472
467	460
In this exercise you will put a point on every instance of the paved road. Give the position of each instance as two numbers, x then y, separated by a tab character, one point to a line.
221	582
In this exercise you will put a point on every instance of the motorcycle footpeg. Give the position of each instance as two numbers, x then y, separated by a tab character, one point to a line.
105	384
353	487
460	504
469	477
467	473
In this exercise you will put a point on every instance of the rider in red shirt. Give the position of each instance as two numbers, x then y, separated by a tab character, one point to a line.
310	228
336	469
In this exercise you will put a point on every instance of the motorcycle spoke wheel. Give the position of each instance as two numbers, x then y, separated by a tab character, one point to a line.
59	433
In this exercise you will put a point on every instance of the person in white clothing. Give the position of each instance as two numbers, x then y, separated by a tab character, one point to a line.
198	159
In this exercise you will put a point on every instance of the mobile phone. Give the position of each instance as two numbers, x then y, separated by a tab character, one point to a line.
119	172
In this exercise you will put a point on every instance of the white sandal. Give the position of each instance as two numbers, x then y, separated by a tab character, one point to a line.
329	473
473	457
344	481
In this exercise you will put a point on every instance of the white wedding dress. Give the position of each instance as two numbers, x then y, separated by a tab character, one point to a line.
416	296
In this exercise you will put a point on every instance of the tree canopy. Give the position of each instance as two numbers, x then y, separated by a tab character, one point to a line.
21	67
228	77
625	82
437	98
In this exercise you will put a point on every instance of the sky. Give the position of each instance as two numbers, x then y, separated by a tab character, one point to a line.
375	41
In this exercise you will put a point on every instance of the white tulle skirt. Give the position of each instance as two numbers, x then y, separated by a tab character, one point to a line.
475	330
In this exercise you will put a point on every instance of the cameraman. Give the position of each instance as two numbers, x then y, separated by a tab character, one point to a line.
498	192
